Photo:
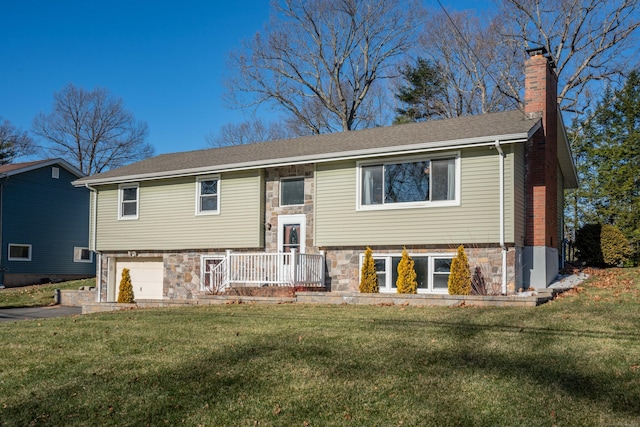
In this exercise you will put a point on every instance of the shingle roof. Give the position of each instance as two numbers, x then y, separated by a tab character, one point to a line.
17	168
433	134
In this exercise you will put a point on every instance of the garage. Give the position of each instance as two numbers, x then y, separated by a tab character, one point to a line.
146	277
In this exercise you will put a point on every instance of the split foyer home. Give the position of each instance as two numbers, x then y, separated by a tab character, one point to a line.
302	211
44	224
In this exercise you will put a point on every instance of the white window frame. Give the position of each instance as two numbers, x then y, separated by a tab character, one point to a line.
388	286
121	189
77	254
198	194
292	178
293	219
10	258
55	172
409	205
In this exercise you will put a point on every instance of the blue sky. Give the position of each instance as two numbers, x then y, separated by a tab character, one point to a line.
165	60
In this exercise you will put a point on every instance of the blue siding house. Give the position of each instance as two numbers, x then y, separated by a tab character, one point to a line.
44	224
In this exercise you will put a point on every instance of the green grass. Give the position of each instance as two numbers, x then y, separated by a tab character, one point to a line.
574	361
37	295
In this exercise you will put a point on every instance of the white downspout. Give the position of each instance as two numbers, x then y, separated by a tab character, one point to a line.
94	236
502	245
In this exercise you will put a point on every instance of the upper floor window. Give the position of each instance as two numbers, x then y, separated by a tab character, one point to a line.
128	201
418	182
292	191
207	195
19	252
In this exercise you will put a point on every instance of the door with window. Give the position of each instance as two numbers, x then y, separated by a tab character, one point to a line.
291	236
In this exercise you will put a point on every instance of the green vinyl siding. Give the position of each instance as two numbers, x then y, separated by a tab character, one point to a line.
475	220
519	190
167	216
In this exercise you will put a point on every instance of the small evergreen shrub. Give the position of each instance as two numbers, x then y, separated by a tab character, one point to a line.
614	246
602	245
406	282
460	275
125	294
369	278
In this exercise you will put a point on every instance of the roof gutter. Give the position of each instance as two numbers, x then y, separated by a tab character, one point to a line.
502	219
94	235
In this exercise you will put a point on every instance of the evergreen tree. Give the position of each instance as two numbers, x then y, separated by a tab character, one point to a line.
369	278
460	274
613	138
422	94
125	294
406	282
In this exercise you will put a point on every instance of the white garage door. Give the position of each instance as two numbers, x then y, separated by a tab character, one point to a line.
146	277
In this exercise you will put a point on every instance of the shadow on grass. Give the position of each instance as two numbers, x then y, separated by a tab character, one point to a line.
246	382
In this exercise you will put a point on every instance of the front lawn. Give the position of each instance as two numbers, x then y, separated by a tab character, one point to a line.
38	295
573	361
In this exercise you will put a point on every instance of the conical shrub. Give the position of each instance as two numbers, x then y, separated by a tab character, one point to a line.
406	282
460	274
125	294
369	278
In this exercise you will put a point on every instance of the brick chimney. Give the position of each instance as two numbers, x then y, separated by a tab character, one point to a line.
541	100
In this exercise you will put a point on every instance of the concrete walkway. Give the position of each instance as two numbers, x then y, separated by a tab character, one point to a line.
14	314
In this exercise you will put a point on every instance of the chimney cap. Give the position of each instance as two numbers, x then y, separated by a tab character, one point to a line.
541	50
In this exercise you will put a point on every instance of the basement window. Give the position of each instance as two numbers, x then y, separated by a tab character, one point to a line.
82	255
19	252
432	271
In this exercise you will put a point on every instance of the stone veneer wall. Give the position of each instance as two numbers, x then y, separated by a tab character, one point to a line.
273	208
344	264
181	271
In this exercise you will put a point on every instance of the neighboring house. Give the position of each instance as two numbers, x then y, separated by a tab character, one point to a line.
44	224
188	222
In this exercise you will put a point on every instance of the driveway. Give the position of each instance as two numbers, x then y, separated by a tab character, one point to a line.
13	314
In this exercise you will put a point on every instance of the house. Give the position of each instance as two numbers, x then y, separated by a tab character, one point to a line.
44	224
302	211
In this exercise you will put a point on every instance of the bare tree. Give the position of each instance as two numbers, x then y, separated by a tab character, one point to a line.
319	60
14	142
249	131
481	69
590	41
92	130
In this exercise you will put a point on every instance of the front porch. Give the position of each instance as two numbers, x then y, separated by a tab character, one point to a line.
288	269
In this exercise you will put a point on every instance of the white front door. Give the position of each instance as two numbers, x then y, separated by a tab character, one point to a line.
292	234
292	230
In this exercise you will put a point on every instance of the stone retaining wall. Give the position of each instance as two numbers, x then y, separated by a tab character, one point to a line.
351	298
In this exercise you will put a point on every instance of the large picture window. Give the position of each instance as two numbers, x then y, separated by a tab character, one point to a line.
432	271
410	183
128	206
207	198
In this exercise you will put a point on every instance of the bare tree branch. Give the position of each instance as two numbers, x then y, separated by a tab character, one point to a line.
249	131
92	130
590	41
318	60
14	143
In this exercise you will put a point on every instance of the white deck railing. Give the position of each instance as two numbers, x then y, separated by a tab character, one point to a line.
266	269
